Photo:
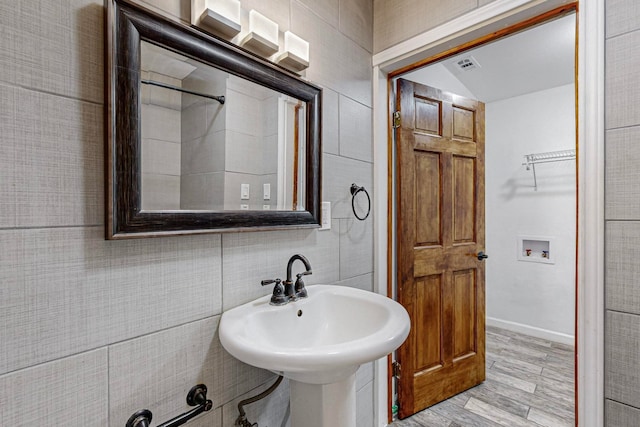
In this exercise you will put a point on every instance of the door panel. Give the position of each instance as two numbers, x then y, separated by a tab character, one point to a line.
440	229
428	221
463	123
464	308
428	299
464	197
427	116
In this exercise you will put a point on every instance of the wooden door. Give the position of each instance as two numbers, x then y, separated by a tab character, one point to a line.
440	231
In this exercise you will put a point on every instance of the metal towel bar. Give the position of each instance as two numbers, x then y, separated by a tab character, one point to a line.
197	397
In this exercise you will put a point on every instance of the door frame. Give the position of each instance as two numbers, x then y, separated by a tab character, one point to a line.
590	178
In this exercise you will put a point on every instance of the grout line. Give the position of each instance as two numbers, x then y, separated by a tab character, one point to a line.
108	398
47	227
46	92
622	312
107	345
366	162
621	403
625	33
637	125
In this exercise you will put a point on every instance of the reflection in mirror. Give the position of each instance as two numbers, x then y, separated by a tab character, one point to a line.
213	141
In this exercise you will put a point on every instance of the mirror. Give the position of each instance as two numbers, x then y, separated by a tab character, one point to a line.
203	136
236	150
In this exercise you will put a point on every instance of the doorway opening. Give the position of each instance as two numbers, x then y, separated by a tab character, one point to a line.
526	114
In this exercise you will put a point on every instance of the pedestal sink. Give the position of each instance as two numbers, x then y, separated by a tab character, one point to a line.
318	343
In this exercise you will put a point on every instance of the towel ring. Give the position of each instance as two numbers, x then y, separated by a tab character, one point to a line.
355	189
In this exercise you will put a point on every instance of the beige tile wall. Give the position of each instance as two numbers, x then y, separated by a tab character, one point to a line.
67	392
161	151
338	63
92	329
622	212
203	136
619	415
58	160
395	21
7	155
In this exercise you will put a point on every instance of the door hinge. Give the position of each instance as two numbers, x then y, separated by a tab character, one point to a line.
396	369
396	119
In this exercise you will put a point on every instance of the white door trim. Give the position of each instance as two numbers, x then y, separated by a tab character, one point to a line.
590	259
590	325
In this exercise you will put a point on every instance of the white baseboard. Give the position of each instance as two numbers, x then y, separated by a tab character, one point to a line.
532	331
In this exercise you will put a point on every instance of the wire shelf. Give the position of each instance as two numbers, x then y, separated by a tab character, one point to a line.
530	160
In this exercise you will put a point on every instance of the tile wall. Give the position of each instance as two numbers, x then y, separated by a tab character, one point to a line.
398	20
92	330
622	211
161	135
203	135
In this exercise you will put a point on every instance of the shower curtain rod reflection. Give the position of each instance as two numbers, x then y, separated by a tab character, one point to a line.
220	99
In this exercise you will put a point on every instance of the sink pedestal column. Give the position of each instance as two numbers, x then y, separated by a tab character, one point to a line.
323	405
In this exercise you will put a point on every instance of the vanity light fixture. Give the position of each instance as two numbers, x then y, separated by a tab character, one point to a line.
295	56
262	37
221	17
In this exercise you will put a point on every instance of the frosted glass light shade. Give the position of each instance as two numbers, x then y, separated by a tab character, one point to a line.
295	55
218	16
262	37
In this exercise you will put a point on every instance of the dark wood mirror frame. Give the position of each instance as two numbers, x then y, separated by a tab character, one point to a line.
127	25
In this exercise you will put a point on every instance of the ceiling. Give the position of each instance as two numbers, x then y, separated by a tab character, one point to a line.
536	59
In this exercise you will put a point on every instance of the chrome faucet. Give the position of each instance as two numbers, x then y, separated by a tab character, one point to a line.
286	291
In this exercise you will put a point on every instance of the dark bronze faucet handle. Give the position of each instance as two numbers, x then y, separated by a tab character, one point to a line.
278	297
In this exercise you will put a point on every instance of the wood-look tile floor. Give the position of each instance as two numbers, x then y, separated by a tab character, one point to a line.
529	382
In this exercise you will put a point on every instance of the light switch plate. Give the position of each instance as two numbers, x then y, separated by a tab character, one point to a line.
266	189
325	216
244	191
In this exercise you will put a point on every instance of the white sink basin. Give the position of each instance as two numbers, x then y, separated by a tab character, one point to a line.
321	339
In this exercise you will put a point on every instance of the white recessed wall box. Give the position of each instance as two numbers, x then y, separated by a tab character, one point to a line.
295	55
221	17
536	249
262	37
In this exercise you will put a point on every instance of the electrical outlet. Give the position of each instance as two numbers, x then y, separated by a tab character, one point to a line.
266	190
